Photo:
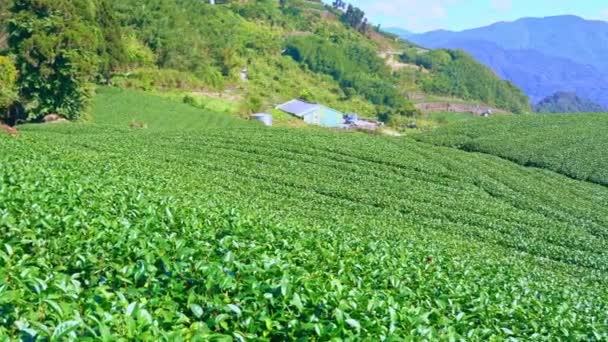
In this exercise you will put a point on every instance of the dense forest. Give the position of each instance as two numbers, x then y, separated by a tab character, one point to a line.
59	50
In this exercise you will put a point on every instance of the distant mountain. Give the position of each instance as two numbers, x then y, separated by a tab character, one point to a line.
540	55
570	37
567	103
537	74
399	31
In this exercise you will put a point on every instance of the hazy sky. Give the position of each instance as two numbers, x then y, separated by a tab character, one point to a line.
425	15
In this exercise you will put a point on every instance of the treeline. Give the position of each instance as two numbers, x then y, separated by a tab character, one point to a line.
456	73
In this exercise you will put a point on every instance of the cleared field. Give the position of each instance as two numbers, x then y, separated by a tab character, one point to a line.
571	144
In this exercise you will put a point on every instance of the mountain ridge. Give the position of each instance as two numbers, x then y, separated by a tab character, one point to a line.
533	53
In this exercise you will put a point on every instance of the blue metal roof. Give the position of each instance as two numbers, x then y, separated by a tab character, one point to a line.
298	107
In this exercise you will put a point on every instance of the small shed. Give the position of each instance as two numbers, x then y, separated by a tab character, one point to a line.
314	113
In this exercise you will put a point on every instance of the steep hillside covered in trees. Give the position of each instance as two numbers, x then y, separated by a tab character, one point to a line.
260	53
456	73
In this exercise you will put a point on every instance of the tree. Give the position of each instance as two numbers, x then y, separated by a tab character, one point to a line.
56	45
8	89
112	49
353	17
363	26
339	4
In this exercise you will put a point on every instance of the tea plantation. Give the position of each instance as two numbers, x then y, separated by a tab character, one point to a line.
571	144
124	107
250	233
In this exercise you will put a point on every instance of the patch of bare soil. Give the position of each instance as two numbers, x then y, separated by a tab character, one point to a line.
9	130
429	107
53	118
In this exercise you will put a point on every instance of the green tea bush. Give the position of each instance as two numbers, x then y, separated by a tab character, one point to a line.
276	234
570	144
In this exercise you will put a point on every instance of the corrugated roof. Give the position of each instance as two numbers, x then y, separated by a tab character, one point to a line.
298	107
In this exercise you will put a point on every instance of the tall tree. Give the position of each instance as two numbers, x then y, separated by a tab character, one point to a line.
57	47
112	49
339	4
8	93
354	17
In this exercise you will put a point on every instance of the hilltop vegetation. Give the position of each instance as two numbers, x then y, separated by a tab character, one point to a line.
456	73
332	56
562	102
574	145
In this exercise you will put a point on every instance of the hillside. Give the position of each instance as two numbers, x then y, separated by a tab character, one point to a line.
574	145
567	103
256	53
217	233
534	54
455	73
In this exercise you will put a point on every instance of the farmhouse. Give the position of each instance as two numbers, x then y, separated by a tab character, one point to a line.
314	113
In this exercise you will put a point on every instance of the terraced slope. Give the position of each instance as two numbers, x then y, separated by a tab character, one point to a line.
286	234
571	144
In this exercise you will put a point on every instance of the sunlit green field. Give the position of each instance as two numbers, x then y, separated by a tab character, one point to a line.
250	233
124	108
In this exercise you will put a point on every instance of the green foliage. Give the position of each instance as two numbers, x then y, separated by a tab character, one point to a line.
138	55
355	18
574	145
57	46
252	104
213	51
112	50
154	78
455	73
8	89
356	67
270	234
